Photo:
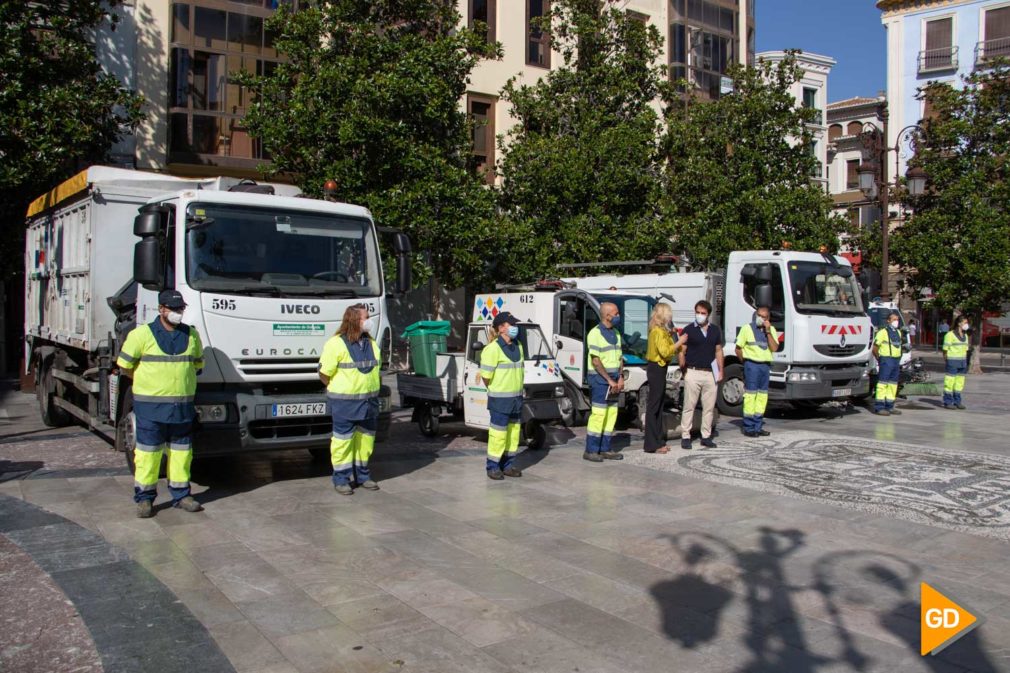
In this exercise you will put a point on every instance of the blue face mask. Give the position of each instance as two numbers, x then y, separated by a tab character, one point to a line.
513	331
616	321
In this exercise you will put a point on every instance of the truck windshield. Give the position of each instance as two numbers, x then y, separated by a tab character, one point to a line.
819	287
535	346
249	250
635	313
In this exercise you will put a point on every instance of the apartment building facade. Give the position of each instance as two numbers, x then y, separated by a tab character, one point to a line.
811	92
701	40
847	120
936	40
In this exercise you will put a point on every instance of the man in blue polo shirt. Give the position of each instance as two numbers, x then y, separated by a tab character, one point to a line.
700	346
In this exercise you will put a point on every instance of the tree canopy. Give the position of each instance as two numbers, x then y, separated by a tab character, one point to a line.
956	239
581	178
738	170
58	109
369	96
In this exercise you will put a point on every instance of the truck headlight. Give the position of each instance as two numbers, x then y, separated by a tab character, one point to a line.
803	377
212	413
559	391
385	404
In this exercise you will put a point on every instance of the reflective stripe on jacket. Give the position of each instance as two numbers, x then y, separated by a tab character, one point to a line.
887	345
610	354
752	349
158	376
955	348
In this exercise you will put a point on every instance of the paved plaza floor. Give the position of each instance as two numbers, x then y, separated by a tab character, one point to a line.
800	552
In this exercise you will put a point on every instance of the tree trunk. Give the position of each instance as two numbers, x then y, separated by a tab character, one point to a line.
976	360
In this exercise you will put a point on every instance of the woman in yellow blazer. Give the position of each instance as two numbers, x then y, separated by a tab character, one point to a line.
660	353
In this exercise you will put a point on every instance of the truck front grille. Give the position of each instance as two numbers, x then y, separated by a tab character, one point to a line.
839	351
278	366
304	426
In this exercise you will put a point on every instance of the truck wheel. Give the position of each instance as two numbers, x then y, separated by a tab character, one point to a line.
427	420
641	405
730	394
576	417
535	435
45	392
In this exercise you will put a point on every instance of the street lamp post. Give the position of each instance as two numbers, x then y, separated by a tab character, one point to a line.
874	184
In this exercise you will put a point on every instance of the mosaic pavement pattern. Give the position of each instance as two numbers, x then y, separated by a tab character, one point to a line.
958	490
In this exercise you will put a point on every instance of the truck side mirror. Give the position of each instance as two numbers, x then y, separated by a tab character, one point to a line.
401	248
149	263
763	273
558	345
763	295
151	222
476	346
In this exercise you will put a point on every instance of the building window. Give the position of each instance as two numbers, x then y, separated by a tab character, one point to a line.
210	45
818	169
996	38
940	52
835	132
809	98
852	174
481	111
853	218
538	48
638	16
854	129
704	42
485	11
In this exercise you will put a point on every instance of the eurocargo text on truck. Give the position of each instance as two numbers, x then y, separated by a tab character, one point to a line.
816	308
266	275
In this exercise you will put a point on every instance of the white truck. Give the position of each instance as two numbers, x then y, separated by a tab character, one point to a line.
568	313
816	307
458	390
266	277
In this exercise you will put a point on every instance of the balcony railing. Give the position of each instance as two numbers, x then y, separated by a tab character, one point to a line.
990	49
932	60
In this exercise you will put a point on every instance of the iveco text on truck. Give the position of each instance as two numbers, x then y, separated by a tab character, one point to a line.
266	276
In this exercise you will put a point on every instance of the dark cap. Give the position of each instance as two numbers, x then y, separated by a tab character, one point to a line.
503	317
171	299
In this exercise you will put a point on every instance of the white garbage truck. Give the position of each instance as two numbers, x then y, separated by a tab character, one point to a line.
816	307
266	275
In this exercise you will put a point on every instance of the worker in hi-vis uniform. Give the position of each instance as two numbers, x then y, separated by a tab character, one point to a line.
349	368
887	350
163	358
606	381
501	367
755	344
955	358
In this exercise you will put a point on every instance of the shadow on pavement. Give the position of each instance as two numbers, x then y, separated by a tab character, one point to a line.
846	586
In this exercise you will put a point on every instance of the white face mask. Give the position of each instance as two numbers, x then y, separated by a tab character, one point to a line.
700	318
368	326
174	317
894	324
965	328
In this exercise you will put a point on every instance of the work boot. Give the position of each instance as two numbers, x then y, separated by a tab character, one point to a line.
763	433
882	412
949	406
960	406
592	457
611	455
751	433
495	474
708	443
370	485
895	412
189	504
145	509
685	444
343	489
512	472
